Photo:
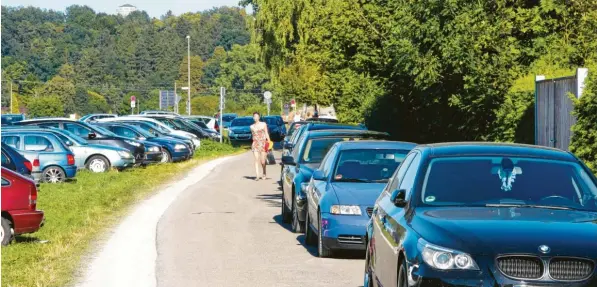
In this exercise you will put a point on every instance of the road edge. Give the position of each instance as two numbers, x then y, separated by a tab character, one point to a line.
129	255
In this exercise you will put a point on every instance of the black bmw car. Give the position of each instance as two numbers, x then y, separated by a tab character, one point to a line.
485	214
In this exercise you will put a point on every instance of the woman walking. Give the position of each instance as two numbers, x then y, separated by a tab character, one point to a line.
260	144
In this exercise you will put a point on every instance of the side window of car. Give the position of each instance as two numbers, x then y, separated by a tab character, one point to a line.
5	159
399	173
328	161
408	181
12	141
38	143
125	132
49	125
77	129
297	147
5	182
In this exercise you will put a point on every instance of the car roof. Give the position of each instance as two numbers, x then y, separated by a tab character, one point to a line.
492	149
341	132
375	144
29	131
48	119
322	125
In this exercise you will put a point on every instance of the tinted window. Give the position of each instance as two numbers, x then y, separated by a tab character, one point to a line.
244	122
38	143
270	121
5	182
399	174
5	159
408	182
77	129
228	118
125	132
316	149
13	141
368	165
328	161
49	125
478	181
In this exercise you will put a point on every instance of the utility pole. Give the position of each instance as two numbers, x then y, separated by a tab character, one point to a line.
10	112
222	101
175	99
189	74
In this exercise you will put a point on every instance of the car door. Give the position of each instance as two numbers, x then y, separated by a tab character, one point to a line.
290	172
385	238
319	187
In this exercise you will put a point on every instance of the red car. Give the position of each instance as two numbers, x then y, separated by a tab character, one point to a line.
19	202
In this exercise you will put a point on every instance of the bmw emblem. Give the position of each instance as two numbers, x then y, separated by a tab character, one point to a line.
544	249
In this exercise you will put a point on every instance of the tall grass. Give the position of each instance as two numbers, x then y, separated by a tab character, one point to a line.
78	212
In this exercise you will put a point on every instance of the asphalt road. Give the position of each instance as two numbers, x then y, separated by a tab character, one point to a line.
226	231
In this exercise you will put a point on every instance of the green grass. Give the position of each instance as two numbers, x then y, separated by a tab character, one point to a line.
77	213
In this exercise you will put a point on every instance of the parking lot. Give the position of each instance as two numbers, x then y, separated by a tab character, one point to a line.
227	231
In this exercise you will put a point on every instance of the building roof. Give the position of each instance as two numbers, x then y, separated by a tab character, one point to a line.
127	5
493	149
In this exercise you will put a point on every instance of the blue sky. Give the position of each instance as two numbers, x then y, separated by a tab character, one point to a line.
154	8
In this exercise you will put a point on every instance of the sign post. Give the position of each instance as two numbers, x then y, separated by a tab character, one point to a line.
268	99
133	99
222	103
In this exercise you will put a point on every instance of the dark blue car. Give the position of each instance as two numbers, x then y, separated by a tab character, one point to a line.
485	214
342	192
276	127
305	158
239	130
16	162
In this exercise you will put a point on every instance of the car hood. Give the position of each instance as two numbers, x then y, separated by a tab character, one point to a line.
239	129
163	141
105	147
501	230
355	193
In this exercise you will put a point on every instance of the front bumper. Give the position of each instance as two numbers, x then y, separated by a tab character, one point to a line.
240	137
344	231
123	163
179	155
152	157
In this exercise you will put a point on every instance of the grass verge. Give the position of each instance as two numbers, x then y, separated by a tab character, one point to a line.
78	212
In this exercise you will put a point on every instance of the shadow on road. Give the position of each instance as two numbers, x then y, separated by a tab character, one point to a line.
249	177
337	254
272	200
278	220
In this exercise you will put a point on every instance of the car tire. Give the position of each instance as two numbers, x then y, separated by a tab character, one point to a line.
6	232
53	174
98	163
285	213
166	156
402	275
297	227
322	250
309	234
368	274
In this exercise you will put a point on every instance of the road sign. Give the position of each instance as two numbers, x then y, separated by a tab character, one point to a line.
292	103
267	95
133	99
184	88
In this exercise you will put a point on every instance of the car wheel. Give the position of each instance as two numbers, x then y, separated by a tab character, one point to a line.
309	234
98	164
166	157
284	212
322	250
368	280
297	227
6	232
53	174
402	280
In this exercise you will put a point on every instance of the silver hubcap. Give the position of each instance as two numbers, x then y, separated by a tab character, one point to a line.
54	175
165	157
97	165
2	234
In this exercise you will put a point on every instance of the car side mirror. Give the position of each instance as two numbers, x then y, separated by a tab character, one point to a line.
68	143
288	145
318	175
141	138
91	136
398	197
288	160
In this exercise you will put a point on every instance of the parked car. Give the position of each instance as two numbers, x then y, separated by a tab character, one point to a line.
212	133
227	120
465	214
94	157
276	127
210	122
93	117
172	149
9	119
322	119
13	160
306	157
158	125
157	131
341	193
19	206
239	130
153	152
92	134
159	113
180	123
57	161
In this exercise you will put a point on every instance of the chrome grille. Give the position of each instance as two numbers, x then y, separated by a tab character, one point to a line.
570	269
350	239
369	211
522	267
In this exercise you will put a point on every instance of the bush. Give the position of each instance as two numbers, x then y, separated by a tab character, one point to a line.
584	139
46	106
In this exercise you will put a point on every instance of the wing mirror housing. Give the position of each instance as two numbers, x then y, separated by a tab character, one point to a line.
288	160
91	136
398	197
68	143
288	145
318	175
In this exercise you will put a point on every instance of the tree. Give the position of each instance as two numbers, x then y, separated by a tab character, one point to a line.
584	138
62	87
205	105
97	103
196	73
48	106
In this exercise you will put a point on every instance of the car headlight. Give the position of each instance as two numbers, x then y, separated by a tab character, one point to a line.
125	154
446	259
345	209
179	146
154	149
132	143
230	132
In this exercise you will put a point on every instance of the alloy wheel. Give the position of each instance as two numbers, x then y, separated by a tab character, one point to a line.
97	165
54	175
165	156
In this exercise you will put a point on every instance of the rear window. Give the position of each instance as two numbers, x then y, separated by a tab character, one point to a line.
12	141
38	143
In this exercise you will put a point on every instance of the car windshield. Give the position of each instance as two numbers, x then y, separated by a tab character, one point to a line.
508	181
317	148
104	131
270	121
200	123
244	122
228	118
141	131
368	165
72	137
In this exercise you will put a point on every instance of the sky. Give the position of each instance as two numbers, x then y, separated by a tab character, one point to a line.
155	8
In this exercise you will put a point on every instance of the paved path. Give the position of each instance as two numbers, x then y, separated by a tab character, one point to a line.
226	231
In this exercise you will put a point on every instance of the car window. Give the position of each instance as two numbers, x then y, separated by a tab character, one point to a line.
399	173
5	182
408	181
328	161
38	143
12	141
296	149
49	125
5	159
482	181
368	165
316	149
125	132
77	129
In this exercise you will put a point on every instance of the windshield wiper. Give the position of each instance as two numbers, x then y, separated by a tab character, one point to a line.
528	206
352	180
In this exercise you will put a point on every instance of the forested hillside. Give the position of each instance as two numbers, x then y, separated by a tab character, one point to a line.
80	61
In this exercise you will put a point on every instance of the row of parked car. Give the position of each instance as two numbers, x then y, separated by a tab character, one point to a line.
447	214
52	150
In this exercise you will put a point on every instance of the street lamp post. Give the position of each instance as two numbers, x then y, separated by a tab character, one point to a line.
189	74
